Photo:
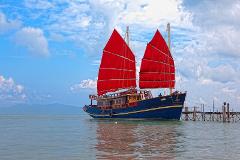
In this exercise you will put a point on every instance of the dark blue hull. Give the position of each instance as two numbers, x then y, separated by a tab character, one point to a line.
164	107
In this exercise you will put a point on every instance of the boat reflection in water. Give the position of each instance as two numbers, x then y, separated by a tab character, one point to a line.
138	139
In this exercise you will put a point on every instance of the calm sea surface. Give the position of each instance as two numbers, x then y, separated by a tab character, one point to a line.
78	137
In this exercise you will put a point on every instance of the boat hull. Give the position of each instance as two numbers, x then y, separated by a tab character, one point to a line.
164	107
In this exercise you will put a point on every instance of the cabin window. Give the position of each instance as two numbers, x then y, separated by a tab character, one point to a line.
107	103
123	100
100	103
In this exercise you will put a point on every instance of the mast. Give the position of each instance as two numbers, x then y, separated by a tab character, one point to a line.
169	38
127	35
169	46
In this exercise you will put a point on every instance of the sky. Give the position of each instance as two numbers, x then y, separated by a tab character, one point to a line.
50	50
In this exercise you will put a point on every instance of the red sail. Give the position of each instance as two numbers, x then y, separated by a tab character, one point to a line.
118	68
157	67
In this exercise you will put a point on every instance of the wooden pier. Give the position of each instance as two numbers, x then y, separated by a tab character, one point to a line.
220	115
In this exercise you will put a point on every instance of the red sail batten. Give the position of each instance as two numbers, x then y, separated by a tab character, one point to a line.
157	68
117	69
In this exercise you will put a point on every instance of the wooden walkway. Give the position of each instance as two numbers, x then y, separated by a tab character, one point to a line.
199	114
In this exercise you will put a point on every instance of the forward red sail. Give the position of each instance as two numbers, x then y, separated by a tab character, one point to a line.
117	69
157	67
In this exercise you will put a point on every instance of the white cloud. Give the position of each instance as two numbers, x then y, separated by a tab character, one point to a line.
8	25
9	90
211	14
223	40
223	73
38	4
33	39
89	23
85	84
218	27
77	22
229	90
152	13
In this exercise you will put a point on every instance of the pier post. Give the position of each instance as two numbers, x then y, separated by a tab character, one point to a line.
213	111
186	113
224	111
203	113
194	113
233	116
228	113
220	115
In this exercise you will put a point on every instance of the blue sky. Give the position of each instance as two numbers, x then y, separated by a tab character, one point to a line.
50	50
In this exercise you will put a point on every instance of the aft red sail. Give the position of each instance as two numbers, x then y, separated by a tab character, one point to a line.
157	67
117	69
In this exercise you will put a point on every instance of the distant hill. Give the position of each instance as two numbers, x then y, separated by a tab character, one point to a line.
41	109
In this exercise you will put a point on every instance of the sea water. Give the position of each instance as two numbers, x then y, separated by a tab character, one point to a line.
79	137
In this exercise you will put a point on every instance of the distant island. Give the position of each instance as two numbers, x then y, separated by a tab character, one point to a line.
41	109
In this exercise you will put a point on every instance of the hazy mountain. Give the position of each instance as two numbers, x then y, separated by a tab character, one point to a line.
54	108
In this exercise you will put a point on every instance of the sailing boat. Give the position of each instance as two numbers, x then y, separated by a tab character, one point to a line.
118	71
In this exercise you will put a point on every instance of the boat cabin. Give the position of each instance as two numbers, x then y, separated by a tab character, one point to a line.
120	100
